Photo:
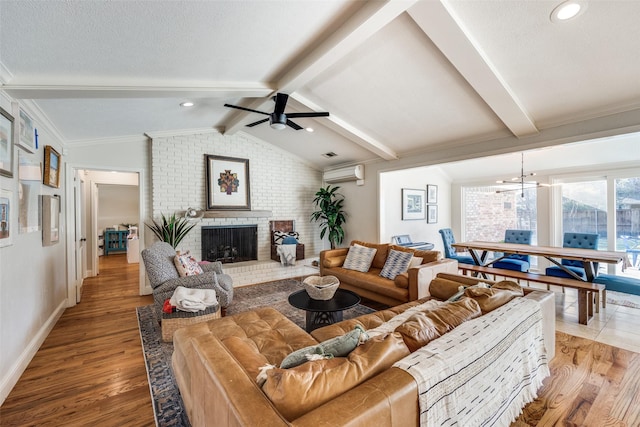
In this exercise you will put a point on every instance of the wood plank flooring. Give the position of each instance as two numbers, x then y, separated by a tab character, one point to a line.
90	370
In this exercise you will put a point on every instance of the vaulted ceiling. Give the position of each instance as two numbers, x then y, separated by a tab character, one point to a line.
398	77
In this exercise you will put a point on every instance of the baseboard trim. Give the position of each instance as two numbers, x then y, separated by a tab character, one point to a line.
18	368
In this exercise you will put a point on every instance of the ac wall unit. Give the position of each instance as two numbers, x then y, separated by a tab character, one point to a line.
350	173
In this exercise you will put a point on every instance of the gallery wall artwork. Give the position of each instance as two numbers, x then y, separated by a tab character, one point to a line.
6	204
413	204
228	184
6	143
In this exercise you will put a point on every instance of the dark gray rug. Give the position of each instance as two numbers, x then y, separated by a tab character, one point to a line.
165	396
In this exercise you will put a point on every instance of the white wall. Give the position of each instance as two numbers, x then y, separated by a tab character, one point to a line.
117	204
391	222
280	183
32	277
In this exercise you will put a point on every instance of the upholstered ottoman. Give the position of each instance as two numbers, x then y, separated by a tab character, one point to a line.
180	319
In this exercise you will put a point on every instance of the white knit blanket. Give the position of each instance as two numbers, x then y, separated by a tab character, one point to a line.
287	254
483	372
192	300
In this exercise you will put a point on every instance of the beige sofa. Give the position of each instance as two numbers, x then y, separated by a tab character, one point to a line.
216	364
408	286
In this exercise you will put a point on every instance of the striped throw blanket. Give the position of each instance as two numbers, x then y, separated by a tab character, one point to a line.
483	372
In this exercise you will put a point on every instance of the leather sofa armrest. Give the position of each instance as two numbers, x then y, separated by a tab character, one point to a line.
331	253
421	276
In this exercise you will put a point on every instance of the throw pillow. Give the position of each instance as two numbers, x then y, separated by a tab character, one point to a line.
335	347
359	258
279	236
186	264
397	262
289	240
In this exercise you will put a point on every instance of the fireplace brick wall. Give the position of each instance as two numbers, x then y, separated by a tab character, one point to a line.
280	182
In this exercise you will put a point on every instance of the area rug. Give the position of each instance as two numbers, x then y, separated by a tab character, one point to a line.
621	299
165	395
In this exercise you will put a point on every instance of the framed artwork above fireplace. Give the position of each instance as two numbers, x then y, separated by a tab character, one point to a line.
228	184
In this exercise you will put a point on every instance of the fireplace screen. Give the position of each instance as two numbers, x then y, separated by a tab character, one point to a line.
234	243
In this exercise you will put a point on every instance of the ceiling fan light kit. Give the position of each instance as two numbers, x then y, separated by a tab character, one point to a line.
279	119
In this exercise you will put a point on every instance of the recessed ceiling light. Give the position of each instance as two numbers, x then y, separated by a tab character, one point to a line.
567	10
187	104
329	154
309	129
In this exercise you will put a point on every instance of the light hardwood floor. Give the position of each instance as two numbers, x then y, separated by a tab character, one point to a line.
90	370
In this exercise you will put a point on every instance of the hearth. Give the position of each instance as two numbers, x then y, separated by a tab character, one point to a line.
230	243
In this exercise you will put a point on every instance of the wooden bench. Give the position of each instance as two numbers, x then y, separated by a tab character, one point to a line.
588	292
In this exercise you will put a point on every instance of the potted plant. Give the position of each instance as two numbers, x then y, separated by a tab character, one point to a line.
330	214
172	229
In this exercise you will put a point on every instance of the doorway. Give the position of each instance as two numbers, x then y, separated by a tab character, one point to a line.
99	200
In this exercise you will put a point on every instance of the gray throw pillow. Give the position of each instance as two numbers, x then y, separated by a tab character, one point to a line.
397	262
359	258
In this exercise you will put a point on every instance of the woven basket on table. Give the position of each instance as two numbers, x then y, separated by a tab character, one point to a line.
321	287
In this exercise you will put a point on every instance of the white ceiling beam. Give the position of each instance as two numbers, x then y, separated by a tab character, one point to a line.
350	132
368	20
219	90
448	33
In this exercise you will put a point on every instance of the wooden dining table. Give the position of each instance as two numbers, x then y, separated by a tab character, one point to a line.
590	258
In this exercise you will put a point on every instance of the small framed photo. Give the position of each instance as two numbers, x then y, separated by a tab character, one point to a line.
413	204
6	143
50	220
432	214
51	167
228	184
432	193
27	133
6	203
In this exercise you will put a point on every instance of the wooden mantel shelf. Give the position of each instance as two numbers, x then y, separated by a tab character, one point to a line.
237	214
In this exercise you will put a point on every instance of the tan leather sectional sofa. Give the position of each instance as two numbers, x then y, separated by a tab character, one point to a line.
216	364
408	286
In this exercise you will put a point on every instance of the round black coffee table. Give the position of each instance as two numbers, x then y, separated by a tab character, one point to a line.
322	313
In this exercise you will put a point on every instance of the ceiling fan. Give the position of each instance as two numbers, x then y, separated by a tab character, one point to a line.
279	119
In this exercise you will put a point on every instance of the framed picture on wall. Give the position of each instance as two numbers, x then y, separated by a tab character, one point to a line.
51	167
50	220
432	194
432	214
228	184
6	204
6	143
413	204
27	133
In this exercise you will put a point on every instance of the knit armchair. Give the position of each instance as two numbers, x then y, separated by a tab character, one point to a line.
164	277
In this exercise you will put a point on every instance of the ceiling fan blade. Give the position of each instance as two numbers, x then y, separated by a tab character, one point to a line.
245	109
281	103
293	125
318	114
250	125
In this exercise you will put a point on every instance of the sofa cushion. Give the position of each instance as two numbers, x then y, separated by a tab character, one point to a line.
246	353
402	280
443	289
426	326
382	250
427	256
334	347
296	391
496	296
359	258
397	262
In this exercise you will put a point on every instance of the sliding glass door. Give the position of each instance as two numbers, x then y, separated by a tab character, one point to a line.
627	223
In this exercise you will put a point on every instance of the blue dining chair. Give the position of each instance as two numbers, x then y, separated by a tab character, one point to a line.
574	240
450	251
516	262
